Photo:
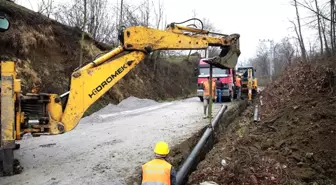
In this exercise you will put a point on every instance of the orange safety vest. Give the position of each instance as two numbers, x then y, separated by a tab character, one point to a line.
156	172
207	88
238	84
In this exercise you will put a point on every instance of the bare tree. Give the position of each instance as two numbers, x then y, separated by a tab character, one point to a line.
83	33
213	51
46	7
145	13
326	21
284	51
98	20
324	33
158	13
131	18
298	32
319	25
332	25
70	13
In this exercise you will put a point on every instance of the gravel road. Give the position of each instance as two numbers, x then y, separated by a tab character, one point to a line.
107	146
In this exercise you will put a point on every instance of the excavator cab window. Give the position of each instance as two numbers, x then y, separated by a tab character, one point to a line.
4	23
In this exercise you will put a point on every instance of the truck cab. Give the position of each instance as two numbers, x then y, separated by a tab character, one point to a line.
226	76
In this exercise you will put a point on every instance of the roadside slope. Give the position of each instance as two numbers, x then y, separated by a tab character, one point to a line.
293	144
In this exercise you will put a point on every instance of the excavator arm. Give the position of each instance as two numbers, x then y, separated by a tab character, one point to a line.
44	114
90	82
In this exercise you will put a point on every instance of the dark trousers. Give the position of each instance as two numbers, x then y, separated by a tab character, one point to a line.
219	95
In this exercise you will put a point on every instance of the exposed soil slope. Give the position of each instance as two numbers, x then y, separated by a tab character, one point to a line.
293	144
47	52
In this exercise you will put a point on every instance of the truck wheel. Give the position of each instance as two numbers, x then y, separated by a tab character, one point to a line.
201	98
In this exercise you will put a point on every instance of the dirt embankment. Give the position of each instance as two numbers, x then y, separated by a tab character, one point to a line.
294	143
47	52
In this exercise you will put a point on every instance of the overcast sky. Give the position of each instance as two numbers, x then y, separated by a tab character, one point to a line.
252	19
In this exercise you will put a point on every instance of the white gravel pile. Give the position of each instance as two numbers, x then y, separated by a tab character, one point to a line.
110	108
136	103
130	103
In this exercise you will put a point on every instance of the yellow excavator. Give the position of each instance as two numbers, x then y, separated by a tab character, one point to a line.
44	114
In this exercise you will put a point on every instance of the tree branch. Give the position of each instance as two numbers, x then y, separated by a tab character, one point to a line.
314	11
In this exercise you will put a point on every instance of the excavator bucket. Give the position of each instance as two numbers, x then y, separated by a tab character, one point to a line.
228	57
229	60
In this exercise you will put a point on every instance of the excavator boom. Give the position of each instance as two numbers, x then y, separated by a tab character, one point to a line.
91	81
106	71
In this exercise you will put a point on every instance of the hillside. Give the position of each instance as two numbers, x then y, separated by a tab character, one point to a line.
294	143
47	52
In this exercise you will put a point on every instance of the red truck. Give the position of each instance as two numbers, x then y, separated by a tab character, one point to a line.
226	76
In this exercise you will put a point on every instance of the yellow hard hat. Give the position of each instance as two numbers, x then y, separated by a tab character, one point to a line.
161	148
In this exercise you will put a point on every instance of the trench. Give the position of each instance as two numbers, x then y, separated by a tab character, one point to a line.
192	158
180	153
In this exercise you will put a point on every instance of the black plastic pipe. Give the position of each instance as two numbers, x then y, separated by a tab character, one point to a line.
185	168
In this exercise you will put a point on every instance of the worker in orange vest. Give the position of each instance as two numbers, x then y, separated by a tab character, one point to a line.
206	94
238	86
159	171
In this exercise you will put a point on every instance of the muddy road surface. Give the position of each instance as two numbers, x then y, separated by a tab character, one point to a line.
106	147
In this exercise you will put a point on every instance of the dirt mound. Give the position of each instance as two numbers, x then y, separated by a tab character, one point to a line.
293	144
301	82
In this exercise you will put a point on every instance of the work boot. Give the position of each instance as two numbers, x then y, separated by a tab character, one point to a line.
17	146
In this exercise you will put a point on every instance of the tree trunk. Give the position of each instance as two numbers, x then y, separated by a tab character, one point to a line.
334	24
325	36
302	46
319	27
332	3
82	40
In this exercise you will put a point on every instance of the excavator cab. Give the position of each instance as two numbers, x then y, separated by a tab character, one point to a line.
4	23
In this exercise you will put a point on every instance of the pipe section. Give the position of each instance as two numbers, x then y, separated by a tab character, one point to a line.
255	117
185	168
